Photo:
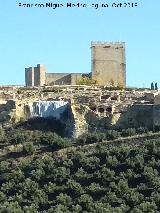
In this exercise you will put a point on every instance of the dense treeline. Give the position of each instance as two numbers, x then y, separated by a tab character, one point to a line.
33	140
111	135
116	180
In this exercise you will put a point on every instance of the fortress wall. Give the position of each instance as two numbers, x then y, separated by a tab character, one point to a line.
62	78
75	77
52	78
108	63
66	80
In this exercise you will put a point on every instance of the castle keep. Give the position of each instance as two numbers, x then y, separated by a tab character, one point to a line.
108	68
108	63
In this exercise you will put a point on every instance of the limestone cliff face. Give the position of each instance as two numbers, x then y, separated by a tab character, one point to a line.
47	109
78	117
20	114
22	110
18	111
7	111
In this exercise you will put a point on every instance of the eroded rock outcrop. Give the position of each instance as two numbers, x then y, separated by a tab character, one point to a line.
82	108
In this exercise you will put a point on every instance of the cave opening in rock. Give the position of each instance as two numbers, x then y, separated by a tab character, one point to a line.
49	116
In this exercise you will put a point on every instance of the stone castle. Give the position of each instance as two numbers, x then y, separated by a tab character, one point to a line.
108	68
82	108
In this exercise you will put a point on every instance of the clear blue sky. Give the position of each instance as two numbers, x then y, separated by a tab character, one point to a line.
61	38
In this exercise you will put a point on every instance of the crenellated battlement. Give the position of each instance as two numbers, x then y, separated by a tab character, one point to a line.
99	43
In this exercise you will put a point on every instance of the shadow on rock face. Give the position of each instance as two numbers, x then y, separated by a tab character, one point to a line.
44	124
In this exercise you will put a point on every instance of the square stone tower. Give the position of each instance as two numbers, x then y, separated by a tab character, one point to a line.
39	75
108	63
29	76
35	76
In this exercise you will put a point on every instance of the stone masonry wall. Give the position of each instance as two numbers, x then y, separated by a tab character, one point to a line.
62	78
58	78
75	77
